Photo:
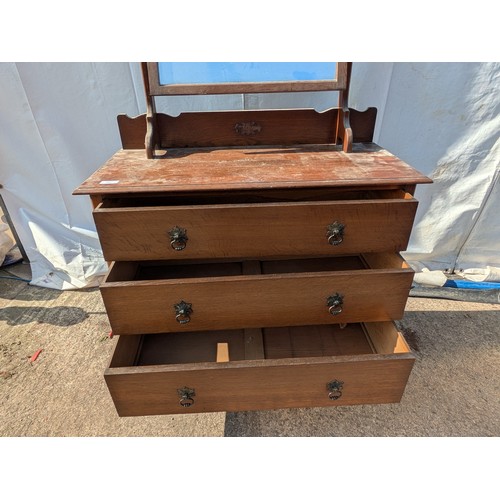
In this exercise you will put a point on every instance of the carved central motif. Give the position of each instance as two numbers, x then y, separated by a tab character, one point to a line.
247	128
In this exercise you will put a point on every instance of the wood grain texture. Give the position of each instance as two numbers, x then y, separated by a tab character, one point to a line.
246	88
254	345
259	384
95	201
151	137
362	124
189	347
385	260
250	301
316	340
122	271
126	353
238	196
132	131
344	131
385	338
220	128
253	230
246	128
222	352
207	169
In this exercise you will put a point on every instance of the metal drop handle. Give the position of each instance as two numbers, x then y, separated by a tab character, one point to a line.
186	394
183	310
178	238
334	388
335	303
335	233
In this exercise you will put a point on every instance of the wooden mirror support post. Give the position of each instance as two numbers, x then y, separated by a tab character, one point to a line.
151	139
344	131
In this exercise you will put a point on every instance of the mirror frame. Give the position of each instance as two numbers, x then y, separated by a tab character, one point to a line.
338	82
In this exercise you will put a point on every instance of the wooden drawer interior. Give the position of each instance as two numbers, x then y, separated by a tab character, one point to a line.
147	271
256	344
254	196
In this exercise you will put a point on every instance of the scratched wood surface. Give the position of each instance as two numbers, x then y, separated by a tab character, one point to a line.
208	169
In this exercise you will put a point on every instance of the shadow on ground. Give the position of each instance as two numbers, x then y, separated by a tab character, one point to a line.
57	315
452	391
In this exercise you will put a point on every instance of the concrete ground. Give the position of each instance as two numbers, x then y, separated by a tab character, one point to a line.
454	388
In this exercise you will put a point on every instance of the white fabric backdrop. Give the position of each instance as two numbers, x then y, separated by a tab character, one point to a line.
58	125
444	119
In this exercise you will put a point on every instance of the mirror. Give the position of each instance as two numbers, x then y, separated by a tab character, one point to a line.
187	78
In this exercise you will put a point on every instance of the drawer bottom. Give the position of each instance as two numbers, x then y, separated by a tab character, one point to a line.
269	368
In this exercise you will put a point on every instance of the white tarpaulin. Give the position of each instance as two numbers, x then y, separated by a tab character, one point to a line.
444	119
58	125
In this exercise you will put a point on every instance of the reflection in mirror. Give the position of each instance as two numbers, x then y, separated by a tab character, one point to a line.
243	72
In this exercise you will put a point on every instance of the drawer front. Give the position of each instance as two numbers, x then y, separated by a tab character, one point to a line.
259	384
253	301
253	230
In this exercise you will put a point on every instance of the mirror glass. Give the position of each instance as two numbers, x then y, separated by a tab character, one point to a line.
243	72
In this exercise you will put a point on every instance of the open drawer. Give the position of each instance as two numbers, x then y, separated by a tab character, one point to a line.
157	228
267	368
156	297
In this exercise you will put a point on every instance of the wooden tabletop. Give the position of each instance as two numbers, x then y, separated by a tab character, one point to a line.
212	169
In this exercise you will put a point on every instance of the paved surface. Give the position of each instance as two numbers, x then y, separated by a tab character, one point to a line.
454	389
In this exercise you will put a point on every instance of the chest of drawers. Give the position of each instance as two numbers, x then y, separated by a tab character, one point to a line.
253	260
255	277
